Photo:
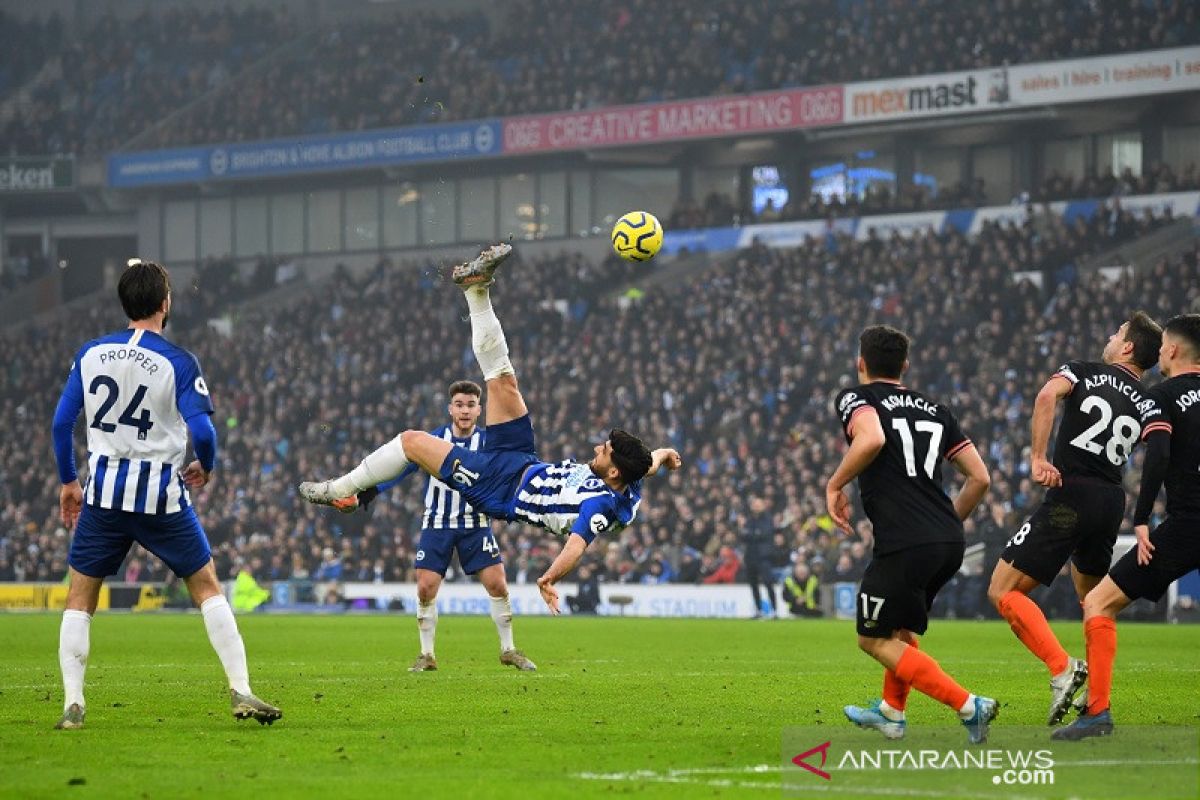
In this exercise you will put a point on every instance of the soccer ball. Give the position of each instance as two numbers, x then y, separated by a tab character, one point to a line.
637	236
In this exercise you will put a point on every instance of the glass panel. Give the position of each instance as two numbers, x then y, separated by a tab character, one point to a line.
1066	157
400	215
1181	150
716	197
518	217
1121	151
478	209
437	212
325	221
362	219
287	224
938	171
552	211
179	231
620	191
995	166
581	204
250	225
216	227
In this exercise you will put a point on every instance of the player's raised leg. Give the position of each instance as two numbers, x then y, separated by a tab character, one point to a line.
227	641
494	582
428	583
1009	593
74	644
504	400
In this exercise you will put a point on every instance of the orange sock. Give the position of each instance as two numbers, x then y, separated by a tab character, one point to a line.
1101	635
1029	624
927	677
895	691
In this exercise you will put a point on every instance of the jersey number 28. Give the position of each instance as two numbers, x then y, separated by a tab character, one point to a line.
1125	431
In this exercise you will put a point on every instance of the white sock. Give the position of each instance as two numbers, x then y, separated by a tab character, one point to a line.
378	467
894	714
487	337
968	708
427	625
227	641
74	643
502	616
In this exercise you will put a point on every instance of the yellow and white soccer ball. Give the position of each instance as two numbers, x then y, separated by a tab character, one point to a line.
637	236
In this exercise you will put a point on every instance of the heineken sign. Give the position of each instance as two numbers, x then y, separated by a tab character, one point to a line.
36	174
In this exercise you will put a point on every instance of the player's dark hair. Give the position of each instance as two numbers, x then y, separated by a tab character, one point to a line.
885	350
630	455
1146	337
464	387
1186	327
143	287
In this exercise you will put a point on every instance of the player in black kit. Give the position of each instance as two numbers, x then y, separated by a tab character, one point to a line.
1106	410
1173	549
898	441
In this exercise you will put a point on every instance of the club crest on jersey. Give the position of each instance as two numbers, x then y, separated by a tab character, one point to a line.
593	485
463	476
598	523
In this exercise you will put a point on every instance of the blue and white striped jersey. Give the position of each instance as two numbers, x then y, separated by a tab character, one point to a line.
137	390
445	507
567	497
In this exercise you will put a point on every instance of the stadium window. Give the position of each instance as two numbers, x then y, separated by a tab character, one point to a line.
1120	151
477	206
1067	157
994	164
324	221
518	212
362	219
400	215
250	226
581	204
287	224
437	198
179	231
621	190
860	175
937	169
1181	147
552	204
216	227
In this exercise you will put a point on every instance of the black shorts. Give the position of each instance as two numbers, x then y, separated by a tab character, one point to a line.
1176	553
897	589
1079	520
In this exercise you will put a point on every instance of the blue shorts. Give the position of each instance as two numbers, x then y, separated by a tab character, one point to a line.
489	478
103	537
477	549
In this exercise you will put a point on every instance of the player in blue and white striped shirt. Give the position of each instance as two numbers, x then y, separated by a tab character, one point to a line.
506	480
450	523
141	395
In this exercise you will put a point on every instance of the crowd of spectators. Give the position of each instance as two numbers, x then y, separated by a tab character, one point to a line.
533	56
719	210
738	374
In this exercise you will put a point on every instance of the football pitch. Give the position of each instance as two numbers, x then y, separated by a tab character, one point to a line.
647	708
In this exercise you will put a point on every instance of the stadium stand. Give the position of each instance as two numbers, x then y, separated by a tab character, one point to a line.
533	56
737	370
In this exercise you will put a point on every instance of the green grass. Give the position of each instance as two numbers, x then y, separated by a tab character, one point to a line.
707	699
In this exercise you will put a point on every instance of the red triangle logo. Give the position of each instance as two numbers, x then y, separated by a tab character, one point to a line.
823	749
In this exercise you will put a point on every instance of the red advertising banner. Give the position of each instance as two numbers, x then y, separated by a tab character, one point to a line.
685	119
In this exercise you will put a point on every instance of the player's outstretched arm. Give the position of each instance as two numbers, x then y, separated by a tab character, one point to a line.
664	457
566	560
969	463
1044	406
866	440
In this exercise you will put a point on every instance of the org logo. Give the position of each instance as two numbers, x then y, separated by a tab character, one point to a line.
485	138
598	523
218	162
846	401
